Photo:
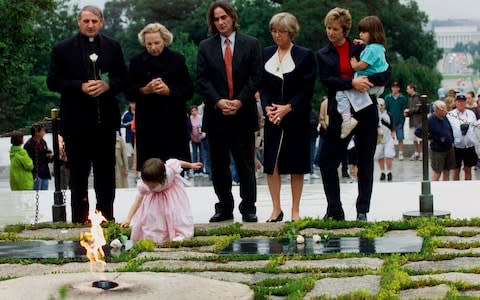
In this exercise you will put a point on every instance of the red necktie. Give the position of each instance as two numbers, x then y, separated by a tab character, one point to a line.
228	67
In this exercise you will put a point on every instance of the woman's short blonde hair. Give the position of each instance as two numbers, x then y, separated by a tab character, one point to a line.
341	15
166	35
285	21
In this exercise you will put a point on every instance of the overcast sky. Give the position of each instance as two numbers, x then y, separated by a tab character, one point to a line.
435	9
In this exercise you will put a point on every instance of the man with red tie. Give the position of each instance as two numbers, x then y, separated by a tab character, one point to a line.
228	75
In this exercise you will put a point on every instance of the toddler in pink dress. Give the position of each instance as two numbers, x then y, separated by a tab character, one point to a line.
161	210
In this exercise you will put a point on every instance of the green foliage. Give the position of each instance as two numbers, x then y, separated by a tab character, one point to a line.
62	293
475	65
16	60
291	288
115	231
425	78
373	230
8	236
393	277
428	227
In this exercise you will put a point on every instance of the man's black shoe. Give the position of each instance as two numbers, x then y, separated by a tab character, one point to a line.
219	217
361	217
251	217
336	218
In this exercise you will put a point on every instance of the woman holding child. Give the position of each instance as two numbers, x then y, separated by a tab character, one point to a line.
336	73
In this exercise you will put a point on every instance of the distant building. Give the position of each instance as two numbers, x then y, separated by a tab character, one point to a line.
448	36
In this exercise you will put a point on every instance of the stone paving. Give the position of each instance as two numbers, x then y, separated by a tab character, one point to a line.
451	270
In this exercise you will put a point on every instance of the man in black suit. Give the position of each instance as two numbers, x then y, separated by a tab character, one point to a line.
230	116
88	70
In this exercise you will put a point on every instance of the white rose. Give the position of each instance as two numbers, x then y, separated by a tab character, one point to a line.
116	243
300	239
93	57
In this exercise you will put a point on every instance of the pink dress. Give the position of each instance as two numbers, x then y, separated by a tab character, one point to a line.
164	213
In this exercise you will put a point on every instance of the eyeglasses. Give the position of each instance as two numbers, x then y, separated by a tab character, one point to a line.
281	32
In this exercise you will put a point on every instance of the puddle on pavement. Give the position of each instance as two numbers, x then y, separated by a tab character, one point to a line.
38	249
382	245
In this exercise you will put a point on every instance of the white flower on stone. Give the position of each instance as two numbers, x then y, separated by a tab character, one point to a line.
300	239
93	57
116	243
316	238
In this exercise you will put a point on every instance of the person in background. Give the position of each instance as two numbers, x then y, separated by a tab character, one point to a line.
196	136
286	90
161	210
121	164
450	99
64	168
127	119
385	151
461	119
313	142
441	139
228	75
259	135
88	70
414	112
352	158
472	105
21	165
38	151
395	104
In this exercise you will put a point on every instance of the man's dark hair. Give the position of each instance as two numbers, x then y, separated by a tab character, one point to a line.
229	10
36	128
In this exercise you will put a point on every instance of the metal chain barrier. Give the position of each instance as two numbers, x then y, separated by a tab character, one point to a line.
35	180
37	197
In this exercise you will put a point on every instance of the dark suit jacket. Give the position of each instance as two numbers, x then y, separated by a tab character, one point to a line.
69	68
212	83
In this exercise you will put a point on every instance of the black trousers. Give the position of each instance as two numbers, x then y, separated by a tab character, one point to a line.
96	150
242	147
332	153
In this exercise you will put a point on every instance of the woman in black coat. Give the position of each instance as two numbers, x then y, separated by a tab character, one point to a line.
160	85
286	91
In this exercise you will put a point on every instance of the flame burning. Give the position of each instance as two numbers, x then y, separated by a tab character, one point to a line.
93	241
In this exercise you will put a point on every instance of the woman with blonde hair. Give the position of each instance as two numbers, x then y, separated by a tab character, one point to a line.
286	92
160	85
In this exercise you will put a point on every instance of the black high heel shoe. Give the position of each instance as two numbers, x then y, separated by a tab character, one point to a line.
279	218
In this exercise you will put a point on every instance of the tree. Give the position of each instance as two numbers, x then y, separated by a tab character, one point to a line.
17	49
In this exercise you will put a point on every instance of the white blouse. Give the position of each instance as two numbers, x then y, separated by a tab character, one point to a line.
277	68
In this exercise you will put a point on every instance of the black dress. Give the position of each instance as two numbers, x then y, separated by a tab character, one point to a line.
288	145
161	121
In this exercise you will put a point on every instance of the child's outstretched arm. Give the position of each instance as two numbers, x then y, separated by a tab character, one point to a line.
189	165
133	210
358	65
